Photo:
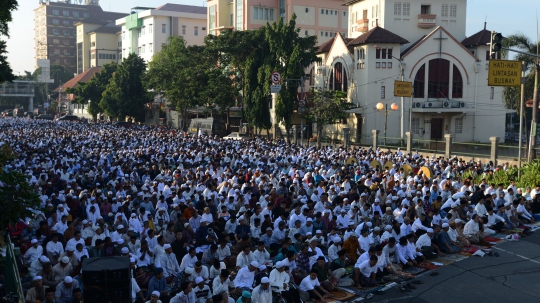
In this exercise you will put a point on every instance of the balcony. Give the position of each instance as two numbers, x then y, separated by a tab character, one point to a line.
427	20
362	25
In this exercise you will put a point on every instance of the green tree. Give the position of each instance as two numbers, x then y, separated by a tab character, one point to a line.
289	54
125	94
325	107
6	7
190	76
16	194
93	89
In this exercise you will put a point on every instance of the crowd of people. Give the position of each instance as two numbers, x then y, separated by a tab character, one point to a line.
203	219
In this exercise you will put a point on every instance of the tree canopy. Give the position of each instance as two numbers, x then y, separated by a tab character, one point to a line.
125	94
6	7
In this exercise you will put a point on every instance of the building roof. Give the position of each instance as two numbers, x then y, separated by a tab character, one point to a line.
327	46
82	77
173	7
412	46
349	2
378	35
92	20
106	29
483	37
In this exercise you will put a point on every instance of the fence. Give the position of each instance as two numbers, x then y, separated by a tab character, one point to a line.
11	272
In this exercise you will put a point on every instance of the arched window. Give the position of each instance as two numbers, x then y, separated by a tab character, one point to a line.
338	78
457	83
439	78
419	80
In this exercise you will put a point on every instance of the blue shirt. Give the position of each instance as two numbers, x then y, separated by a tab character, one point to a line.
155	284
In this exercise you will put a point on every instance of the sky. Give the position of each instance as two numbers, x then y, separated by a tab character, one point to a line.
507	17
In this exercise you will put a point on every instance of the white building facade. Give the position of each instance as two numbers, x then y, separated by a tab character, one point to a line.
448	72
145	32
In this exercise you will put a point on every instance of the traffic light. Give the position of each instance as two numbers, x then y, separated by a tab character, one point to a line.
496	42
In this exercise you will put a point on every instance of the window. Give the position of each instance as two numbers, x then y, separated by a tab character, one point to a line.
139	50
66	42
326	12
66	22
203	28
397	8
66	61
306	33
66	52
164	28
383	52
326	34
66	33
231	19
322	34
322	11
492	92
100	56
143	48
383	65
383	92
183	29
143	29
123	35
56	41
271	16
93	56
85	15
425	9
438	78
120	44
444	10
196	33
55	12
56	52
458	126
76	14
389	65
338	78
360	53
453	10
389	53
415	126
65	13
150	28
457	83
255	13
406	9
344	14
377	64
419	80
373	12
140	33
378	53
151	47
56	21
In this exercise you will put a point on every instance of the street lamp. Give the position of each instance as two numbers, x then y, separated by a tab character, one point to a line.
402	71
384	110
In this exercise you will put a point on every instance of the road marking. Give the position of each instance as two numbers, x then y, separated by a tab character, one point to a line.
523	257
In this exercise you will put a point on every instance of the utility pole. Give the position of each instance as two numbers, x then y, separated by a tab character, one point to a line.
520	146
300	108
534	122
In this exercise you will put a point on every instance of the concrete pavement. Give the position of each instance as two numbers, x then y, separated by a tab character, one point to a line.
512	277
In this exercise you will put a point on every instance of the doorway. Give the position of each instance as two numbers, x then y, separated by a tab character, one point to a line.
358	128
437	128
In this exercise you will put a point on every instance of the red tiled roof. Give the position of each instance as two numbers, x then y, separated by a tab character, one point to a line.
82	77
326	46
378	35
483	37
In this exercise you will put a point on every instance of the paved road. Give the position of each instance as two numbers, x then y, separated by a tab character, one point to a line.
512	277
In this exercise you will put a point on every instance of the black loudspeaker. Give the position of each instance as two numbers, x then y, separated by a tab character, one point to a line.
107	279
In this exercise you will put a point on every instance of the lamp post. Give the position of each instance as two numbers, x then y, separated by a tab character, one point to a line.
402	72
384	110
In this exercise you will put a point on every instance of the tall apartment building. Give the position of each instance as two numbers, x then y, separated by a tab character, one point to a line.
146	31
55	32
323	19
98	43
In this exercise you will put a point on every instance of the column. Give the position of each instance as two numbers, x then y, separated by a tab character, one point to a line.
295	134
273	116
448	147
409	136
31	104
375	133
346	132
494	149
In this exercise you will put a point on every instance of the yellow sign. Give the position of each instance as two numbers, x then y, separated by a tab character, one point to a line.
504	73
402	89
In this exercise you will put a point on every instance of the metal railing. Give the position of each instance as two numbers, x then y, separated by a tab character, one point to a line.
13	280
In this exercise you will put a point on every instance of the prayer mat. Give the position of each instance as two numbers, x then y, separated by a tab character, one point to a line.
454	257
465	254
342	295
500	236
429	265
397	278
492	239
481	246
369	290
516	230
469	249
349	269
444	262
414	270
